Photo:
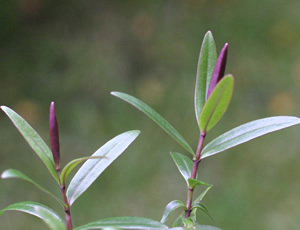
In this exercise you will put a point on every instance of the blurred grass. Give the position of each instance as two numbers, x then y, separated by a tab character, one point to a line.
75	53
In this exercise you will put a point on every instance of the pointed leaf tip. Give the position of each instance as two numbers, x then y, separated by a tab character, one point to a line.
54	136
219	69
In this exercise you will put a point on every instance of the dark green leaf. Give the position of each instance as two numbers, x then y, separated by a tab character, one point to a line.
71	165
171	207
33	139
53	221
13	173
216	104
206	63
184	165
194	183
126	222
92	168
247	132
158	119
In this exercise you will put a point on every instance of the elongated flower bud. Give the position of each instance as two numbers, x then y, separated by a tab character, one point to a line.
54	138
219	70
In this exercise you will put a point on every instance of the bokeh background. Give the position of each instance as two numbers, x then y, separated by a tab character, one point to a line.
76	52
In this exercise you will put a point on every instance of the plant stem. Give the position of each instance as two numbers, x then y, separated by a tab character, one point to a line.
68	218
193	176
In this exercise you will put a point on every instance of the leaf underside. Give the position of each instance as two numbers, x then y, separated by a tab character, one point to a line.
247	132
184	165
92	168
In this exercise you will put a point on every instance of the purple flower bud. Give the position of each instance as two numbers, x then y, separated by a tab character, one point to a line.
54	138
219	70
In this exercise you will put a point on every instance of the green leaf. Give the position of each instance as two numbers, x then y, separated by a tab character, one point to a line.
203	208
178	221
126	222
33	139
206	63
194	183
13	173
171	207
41	211
216	104
206	227
92	168
188	223
184	165
201	196
158	119
72	164
247	132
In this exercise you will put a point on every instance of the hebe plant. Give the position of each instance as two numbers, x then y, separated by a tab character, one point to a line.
213	93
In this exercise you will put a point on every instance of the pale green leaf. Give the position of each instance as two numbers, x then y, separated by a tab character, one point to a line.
158	119
171	207
184	165
201	196
33	139
92	168
206	63
41	211
194	183
217	104
247	132
71	165
126	222
203	208
178	221
13	173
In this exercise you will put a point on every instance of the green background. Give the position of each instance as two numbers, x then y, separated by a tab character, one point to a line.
76	52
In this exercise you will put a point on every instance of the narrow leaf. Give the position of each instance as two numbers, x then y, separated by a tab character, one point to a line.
178	221
206	62
203	208
53	221
126	222
71	165
33	139
92	168
158	119
219	70
201	196
216	104
171	207
247	132
184	165
194	183
13	173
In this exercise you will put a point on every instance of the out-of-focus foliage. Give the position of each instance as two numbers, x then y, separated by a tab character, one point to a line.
76	52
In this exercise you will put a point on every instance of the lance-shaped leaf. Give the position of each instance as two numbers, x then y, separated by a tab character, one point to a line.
247	132
203	208
184	165
13	173
206	63
126	222
158	119
216	104
41	211
92	168
33	139
72	164
54	137
192	183
171	207
219	70
201	196
178	221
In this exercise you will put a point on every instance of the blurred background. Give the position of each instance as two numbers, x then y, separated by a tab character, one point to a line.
76	52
